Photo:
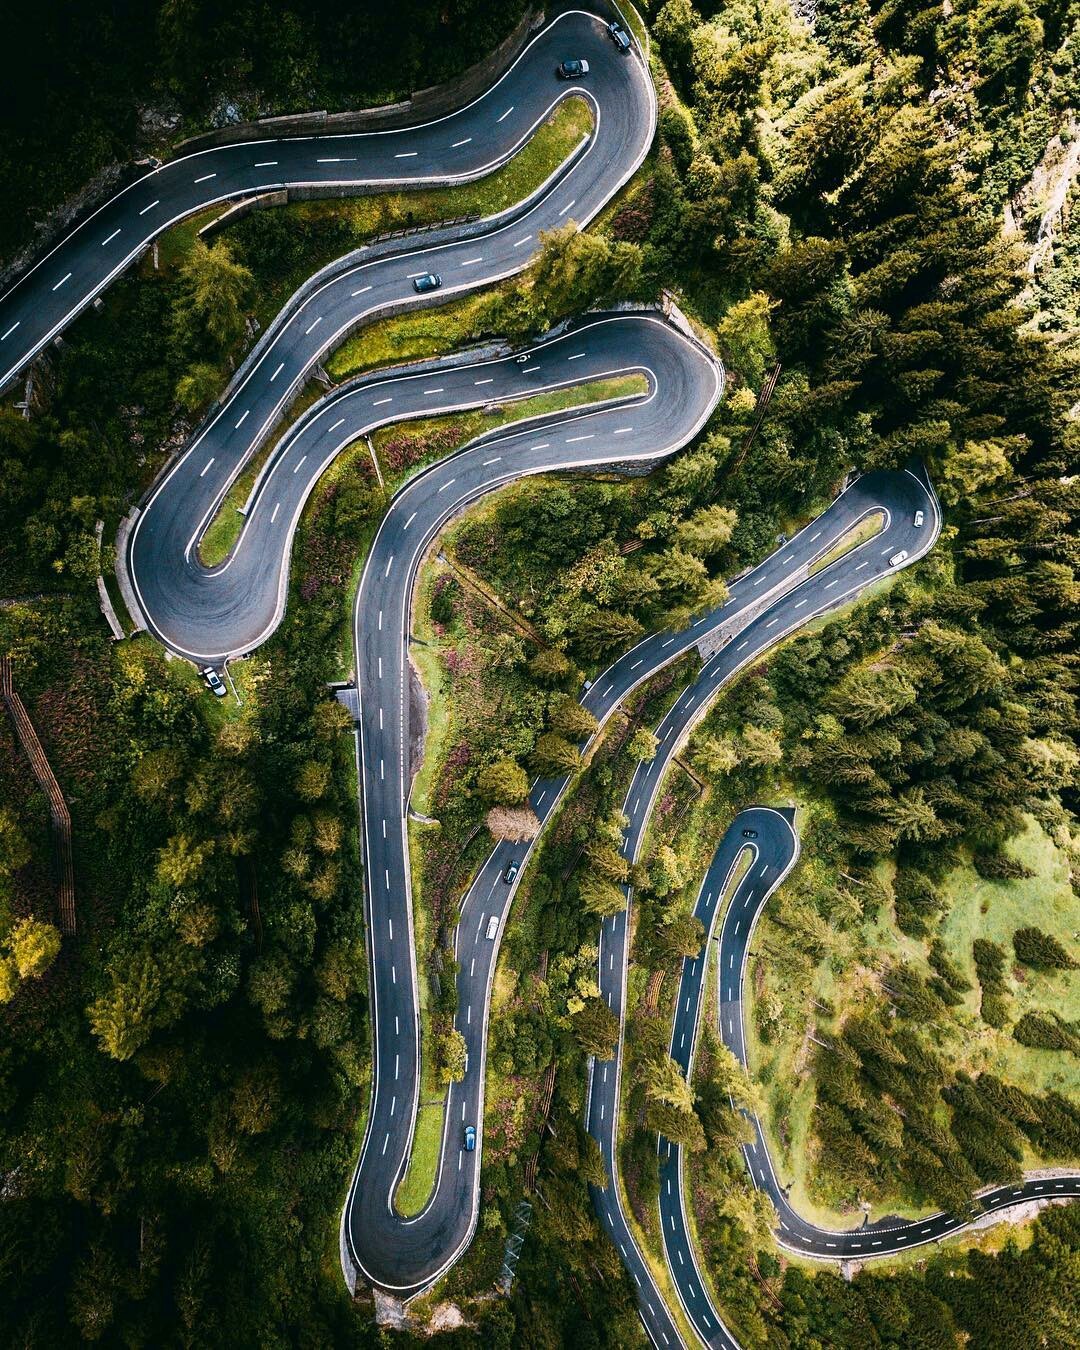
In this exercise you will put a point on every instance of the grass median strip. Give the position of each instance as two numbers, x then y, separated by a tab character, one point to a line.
419	1179
221	534
859	533
405	447
743	863
552	142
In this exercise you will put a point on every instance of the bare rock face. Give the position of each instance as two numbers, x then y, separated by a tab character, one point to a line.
389	1311
445	1317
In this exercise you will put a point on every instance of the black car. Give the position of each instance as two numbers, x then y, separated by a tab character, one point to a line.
749	834
619	36
510	873
572	70
430	281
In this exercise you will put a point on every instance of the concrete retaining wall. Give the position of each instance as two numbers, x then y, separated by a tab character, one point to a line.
123	576
242	208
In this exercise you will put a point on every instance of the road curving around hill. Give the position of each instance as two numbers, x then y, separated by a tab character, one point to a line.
775	849
458	148
211	614
406	1256
766	605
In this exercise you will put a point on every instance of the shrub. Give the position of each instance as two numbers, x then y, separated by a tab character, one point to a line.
995	1010
1041	950
504	822
643	744
504	782
1046	1031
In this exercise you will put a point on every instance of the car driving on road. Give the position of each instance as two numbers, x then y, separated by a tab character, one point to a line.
898	558
749	834
430	281
919	517
510	873
493	927
470	1138
213	682
619	36
572	70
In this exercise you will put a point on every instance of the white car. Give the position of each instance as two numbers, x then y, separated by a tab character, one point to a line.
919	517
493	927
898	558
213	681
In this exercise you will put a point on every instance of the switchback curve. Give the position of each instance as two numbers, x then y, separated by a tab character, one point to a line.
775	850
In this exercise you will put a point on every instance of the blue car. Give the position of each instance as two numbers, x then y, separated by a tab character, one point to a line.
470	1138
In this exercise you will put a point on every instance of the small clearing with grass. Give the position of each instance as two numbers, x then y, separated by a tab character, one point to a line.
848	977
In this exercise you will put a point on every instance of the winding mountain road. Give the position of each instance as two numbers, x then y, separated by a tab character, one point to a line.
774	852
458	148
209	615
405	1256
765	605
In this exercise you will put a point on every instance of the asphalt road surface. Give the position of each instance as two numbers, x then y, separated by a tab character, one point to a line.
772	852
765	605
406	1257
684	385
458	148
211	614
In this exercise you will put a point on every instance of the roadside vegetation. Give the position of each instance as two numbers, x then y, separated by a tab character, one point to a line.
109	83
184	1086
858	534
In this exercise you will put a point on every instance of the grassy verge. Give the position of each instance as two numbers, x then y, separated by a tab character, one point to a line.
405	447
220	536
419	1179
696	1190
858	534
328	229
121	610
552	142
636	24
743	864
414	336
651	1247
